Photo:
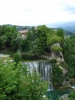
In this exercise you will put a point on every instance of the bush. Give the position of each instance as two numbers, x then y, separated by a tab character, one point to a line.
17	83
32	87
9	82
56	48
17	57
53	39
57	75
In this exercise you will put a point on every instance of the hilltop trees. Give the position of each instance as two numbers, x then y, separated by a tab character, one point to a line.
38	40
9	38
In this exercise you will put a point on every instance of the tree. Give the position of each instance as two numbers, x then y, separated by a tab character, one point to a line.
9	82
37	40
33	87
11	34
69	55
3	40
17	83
1	30
60	32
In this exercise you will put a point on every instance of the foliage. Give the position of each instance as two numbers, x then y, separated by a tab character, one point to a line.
57	75
37	40
72	95
17	83
64	65
69	55
56	48
51	39
25	47
9	82
60	32
3	40
17	57
8	38
32	86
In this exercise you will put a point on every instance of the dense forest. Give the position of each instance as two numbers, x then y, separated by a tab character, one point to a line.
38	42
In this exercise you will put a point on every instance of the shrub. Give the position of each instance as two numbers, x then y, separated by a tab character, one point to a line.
56	48
53	39
17	83
33	87
9	85
17	57
72	95
57	75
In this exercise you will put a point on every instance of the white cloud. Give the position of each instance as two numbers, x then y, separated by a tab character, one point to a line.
35	12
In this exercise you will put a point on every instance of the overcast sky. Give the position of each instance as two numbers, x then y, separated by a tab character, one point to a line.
36	12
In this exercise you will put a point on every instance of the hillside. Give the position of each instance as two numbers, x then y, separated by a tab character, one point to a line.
68	26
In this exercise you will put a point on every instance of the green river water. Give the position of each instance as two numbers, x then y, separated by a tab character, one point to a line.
57	92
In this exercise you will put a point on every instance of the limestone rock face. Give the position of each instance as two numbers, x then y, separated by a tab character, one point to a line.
64	70
57	55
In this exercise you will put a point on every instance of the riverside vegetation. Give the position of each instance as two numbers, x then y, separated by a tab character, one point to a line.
38	42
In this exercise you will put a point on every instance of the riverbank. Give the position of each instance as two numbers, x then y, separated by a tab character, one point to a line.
3	56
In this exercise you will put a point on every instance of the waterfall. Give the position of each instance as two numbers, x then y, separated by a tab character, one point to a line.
45	70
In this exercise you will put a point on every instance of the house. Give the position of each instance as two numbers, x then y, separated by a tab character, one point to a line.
23	32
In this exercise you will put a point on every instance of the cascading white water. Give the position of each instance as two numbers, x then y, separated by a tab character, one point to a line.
45	70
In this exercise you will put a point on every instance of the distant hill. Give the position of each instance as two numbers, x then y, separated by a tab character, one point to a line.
68	26
20	27
67	33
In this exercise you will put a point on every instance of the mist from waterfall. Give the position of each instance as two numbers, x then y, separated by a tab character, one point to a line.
44	68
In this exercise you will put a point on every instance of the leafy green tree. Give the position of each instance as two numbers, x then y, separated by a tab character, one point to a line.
32	36
17	83
32	86
69	55
1	30
9	82
53	38
3	40
37	40
11	34
60	32
24	45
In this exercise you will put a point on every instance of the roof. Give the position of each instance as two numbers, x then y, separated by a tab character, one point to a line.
23	31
